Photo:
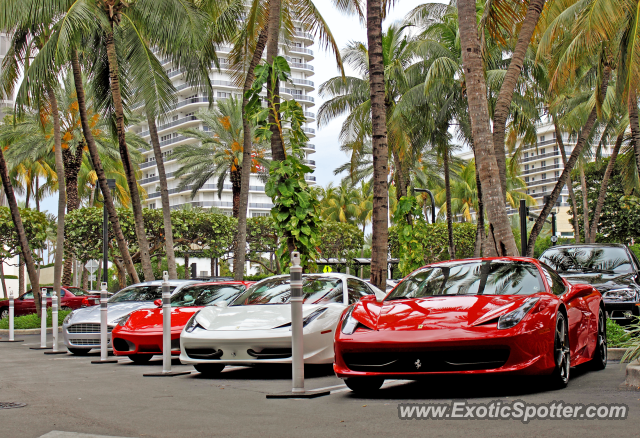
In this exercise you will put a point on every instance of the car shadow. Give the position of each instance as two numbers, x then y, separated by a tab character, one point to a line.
268	372
447	387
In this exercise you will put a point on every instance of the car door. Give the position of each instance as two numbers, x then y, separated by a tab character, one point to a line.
25	305
578	314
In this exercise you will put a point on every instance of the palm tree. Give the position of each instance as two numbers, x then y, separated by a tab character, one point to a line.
341	204
500	234
218	154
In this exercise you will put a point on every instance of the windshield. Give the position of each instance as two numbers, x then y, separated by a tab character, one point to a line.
588	259
206	295
490	277
139	293
77	291
277	291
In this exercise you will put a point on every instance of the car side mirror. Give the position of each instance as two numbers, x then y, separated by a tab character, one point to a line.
371	298
221	304
158	302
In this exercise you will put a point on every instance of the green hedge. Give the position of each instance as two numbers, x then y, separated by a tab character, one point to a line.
437	241
33	321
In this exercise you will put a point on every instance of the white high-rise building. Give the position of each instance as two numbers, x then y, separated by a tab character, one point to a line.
184	115
5	101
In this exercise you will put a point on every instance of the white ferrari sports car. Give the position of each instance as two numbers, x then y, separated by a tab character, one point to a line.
256	327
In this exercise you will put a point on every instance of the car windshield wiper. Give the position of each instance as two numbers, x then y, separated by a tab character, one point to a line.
600	271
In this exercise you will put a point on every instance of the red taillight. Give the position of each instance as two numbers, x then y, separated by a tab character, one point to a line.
85	302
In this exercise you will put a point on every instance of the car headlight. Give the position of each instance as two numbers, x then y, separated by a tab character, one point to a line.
192	324
121	321
512	318
620	295
67	318
349	324
313	315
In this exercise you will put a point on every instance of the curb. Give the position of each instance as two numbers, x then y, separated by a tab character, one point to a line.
615	354
633	375
5	332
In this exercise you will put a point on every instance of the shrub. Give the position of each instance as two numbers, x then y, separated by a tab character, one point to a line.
33	321
616	335
257	277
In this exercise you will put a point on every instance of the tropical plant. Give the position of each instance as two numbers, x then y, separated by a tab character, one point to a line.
218	154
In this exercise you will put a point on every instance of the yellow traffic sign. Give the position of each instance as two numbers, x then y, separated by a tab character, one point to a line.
327	269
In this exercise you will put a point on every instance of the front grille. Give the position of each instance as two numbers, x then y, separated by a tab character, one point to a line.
86	328
175	344
428	361
203	353
123	345
149	348
95	342
270	353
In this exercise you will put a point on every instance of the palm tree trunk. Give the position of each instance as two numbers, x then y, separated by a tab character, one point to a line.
136	204
633	123
20	275
239	253
603	188
22	236
97	165
5	294
585	205
503	104
500	234
72	163
564	176
572	195
447	190
187	273
380	219
37	195
277	146
164	198
62	196
236	180
480	237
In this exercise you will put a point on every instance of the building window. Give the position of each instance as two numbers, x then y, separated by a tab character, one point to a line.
557	174
542	138
542	151
526	179
556	161
534	191
260	214
553	135
151	206
526	167
544	176
204	273
543	163
526	154
223	94
528	191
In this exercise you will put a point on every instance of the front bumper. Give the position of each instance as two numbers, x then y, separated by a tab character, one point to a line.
251	347
84	336
622	311
126	343
472	350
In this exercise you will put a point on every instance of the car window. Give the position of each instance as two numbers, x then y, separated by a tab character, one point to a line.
488	277
139	293
635	259
611	259
78	292
278	291
356	290
206	295
28	296
554	280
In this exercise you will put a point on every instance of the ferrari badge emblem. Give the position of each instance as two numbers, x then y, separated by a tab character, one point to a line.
420	326
418	364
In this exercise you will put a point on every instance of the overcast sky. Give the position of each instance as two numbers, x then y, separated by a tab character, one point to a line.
344	29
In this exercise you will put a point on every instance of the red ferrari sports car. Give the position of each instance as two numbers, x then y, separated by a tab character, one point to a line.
475	316
139	335
72	298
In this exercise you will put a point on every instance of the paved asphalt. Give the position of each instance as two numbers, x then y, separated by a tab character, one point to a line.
68	394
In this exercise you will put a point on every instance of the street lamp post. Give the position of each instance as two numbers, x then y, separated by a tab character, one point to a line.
433	204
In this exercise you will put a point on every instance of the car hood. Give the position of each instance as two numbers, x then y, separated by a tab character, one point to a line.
600	281
438	312
114	312
258	317
150	320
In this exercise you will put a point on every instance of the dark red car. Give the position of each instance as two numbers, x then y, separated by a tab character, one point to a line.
72	298
476	316
139	334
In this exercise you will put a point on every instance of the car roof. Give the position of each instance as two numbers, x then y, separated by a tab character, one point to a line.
573	245
339	275
159	283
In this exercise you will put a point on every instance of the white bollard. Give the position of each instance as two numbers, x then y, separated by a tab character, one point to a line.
43	322
54	320
166	324
297	356
103	322
104	328
11	314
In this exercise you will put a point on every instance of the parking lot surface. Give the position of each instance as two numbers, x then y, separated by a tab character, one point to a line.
68	397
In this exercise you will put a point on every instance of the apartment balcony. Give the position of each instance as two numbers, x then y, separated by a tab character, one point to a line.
302	50
309	130
542	169
164	126
304	83
310	116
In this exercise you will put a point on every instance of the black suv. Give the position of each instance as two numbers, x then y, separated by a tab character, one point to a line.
613	269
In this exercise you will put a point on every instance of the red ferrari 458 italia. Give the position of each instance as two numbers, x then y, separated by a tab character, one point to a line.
476	316
139	335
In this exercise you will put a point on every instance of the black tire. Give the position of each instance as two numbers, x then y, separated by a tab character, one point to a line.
209	369
78	351
140	358
364	385
559	378
4	313
599	361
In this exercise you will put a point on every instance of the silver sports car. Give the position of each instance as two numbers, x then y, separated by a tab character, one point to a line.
81	328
